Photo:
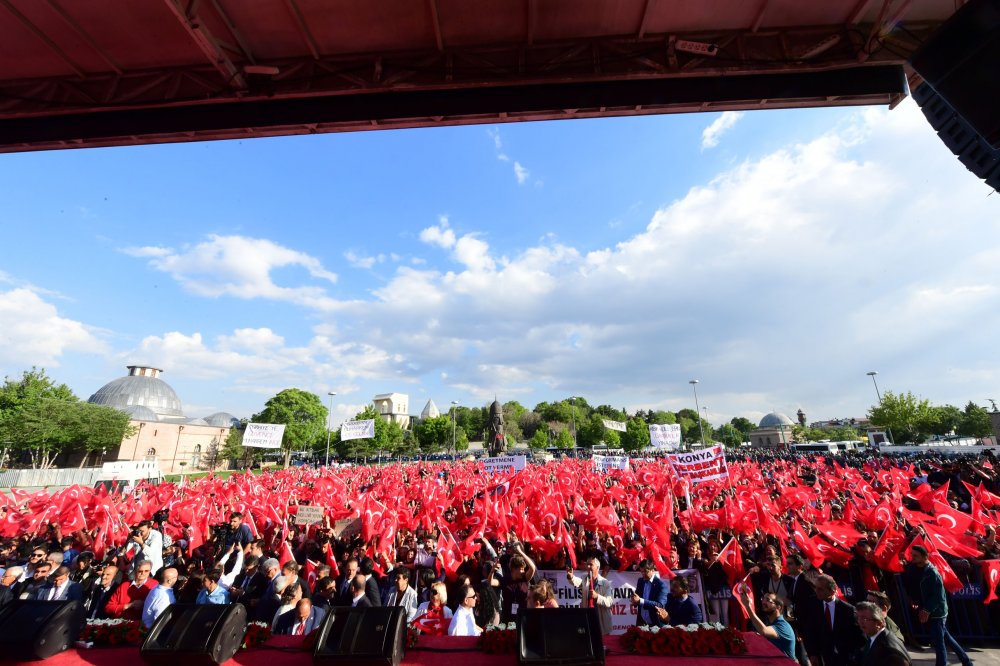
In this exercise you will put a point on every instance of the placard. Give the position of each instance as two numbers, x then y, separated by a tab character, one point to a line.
615	425
357	429
504	464
702	465
264	435
309	514
665	435
604	463
347	528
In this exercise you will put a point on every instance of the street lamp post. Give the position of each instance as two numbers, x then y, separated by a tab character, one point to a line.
329	426
697	410
888	430
572	407
454	419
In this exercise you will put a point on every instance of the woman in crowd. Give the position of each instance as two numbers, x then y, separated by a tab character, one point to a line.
433	616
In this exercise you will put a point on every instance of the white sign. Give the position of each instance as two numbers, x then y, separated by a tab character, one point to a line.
309	514
605	463
665	435
877	438
615	425
623	614
701	465
357	429
504	464
264	435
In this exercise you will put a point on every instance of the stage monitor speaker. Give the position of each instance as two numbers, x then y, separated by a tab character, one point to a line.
199	635
361	636
32	630
961	61
560	637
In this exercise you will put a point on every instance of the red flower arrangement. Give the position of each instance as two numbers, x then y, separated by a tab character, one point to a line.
499	639
257	634
693	640
412	635
112	632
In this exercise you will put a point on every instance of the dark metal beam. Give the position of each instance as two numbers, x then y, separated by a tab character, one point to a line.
23	20
78	29
195	27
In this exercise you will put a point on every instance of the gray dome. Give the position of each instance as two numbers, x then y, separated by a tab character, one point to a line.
775	420
140	388
197	422
222	420
140	413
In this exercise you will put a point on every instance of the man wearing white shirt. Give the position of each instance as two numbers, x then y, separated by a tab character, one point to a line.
149	543
463	623
161	597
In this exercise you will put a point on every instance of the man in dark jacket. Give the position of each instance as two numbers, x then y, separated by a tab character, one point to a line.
650	594
881	647
830	626
301	620
933	609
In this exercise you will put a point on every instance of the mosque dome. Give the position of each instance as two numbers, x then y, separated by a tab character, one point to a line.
222	420
140	413
142	387
775	420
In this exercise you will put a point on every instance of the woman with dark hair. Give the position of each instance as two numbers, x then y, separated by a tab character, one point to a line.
542	595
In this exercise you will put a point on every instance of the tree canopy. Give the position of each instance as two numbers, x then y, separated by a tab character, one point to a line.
303	415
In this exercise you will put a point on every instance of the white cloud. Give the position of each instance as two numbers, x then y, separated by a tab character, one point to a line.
32	332
711	135
520	173
362	261
240	267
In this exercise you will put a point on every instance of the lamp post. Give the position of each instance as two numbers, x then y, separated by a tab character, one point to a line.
572	407
697	410
454	419
872	374
329	426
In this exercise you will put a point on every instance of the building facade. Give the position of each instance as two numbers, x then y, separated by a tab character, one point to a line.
393	407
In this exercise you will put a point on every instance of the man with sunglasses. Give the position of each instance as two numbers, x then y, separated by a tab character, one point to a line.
36	558
463	623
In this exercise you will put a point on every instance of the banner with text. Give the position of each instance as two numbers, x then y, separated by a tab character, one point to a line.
504	464
615	425
263	435
605	463
665	436
623	613
357	429
701	465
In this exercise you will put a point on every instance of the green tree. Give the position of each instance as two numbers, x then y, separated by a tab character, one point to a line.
512	412
975	422
636	435
591	432
947	419
539	440
909	417
304	416
564	440
232	448
744	425
434	434
100	429
473	421
388	439
530	423
661	417
729	435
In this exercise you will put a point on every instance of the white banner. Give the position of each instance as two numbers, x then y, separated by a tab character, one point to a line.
623	614
357	429
876	438
701	465
605	463
309	514
665	435
264	435
504	464
615	425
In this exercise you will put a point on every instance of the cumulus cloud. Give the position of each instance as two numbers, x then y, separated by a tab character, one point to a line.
32	332
362	261
240	267
439	234
711	135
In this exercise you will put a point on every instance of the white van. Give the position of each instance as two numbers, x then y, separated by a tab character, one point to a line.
128	473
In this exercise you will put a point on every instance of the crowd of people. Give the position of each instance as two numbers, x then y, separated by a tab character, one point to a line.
804	550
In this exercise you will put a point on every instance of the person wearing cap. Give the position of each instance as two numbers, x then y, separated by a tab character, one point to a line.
650	594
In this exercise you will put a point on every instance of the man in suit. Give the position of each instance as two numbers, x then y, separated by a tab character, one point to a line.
830	627
597	591
9	585
681	610
402	594
96	601
344	595
366	567
250	584
800	595
359	599
300	621
61	588
881	648
650	594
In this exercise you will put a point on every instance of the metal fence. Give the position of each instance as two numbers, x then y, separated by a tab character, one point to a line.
969	619
14	478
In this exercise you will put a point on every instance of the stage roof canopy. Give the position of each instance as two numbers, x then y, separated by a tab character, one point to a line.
77	73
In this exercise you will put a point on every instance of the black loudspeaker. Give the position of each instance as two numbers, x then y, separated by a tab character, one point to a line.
196	635
560	636
961	61
361	636
31	629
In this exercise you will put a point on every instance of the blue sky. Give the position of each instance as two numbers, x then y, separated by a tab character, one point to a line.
776	256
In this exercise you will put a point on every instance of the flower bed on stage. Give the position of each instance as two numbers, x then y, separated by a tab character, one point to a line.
693	640
112	632
499	639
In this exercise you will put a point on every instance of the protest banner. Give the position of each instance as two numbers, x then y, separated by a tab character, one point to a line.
615	425
357	429
665	436
347	528
309	514
623	614
702	465
263	435
504	464
604	463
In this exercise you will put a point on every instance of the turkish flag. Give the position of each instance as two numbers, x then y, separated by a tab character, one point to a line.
840	532
957	545
991	578
832	554
806	545
731	559
879	517
954	521
310	574
886	552
286	554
